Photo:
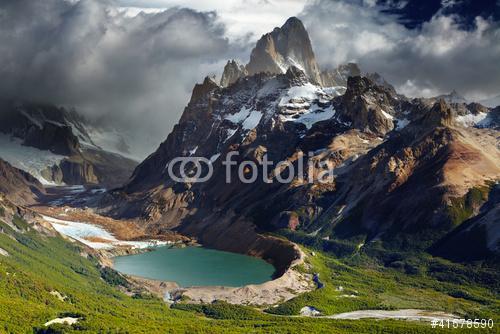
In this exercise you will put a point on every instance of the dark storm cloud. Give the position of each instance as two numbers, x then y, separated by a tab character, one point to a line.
435	58
136	72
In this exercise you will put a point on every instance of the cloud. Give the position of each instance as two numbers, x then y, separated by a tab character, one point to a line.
432	59
133	72
136	72
244	19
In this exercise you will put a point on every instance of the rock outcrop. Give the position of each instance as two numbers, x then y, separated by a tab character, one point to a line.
283	47
232	72
42	126
18	186
368	106
201	90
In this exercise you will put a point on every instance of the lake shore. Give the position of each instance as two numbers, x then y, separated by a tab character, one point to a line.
288	283
283	288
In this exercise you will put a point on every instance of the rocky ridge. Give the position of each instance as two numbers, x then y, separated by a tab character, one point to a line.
18	186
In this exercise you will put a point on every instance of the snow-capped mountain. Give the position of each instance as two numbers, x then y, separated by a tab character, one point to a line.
381	147
58	146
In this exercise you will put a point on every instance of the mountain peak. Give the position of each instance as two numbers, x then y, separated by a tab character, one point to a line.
289	45
232	72
293	22
453	97
439	115
201	90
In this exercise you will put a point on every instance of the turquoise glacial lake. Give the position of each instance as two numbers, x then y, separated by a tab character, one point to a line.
196	266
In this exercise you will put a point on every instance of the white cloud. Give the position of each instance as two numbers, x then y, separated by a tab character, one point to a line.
434	59
241	17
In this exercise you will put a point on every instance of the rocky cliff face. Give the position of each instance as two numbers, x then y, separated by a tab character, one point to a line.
283	47
369	107
17	185
397	166
43	126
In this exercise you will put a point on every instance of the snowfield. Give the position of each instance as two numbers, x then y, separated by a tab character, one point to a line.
480	120
301	104
310	118
247	117
85	233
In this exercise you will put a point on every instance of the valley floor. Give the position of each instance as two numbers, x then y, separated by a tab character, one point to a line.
46	279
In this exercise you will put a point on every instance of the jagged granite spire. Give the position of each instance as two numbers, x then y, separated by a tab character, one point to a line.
232	72
201	90
440	115
283	47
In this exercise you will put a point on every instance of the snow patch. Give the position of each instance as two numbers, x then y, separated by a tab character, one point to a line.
214	157
3	252
193	151
247	117
307	91
66	320
26	158
238	117
293	62
307	104
335	91
402	123
230	133
252	120
310	118
481	119
84	232
386	115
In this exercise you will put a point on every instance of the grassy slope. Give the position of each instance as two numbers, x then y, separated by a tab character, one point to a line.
377	287
38	265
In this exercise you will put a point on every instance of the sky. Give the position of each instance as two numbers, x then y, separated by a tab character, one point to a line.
132	64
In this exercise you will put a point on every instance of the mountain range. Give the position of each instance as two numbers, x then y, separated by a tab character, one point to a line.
58	146
408	172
